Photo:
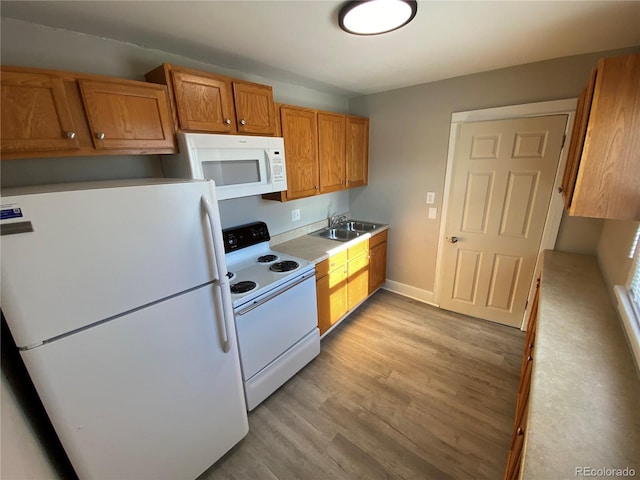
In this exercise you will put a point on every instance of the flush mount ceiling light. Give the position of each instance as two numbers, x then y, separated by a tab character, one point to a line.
372	17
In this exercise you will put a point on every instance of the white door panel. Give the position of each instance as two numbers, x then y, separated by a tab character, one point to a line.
150	395
502	179
98	253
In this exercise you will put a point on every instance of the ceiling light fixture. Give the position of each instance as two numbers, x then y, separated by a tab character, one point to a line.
372	17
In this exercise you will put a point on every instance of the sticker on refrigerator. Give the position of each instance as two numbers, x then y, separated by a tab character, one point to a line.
9	212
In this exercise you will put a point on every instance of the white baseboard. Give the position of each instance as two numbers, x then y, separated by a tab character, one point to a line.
412	292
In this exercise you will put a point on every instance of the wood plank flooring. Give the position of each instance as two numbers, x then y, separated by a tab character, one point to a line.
400	390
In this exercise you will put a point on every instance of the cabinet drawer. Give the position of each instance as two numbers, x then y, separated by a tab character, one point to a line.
331	263
357	249
378	238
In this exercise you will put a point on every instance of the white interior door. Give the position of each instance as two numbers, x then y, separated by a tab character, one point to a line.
503	174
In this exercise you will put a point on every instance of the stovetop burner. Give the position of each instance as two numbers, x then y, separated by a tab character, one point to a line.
243	287
267	258
284	266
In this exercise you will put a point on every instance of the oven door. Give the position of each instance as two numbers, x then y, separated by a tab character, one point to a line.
274	323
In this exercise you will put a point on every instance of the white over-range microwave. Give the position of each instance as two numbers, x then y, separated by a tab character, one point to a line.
240	165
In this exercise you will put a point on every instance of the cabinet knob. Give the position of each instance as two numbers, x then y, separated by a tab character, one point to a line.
227	121
71	135
560	189
348	181
100	136
529	358
520	431
316	187
243	122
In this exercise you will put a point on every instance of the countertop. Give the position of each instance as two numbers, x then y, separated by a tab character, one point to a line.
584	404
315	249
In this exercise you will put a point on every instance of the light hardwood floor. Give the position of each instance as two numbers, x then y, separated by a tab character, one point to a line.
400	390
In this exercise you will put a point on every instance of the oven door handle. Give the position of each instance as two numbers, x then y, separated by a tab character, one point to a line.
257	303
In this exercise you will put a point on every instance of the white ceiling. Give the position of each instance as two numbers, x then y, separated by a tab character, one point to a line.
299	41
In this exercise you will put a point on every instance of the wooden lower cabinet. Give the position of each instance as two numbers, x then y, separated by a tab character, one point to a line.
377	261
514	460
346	279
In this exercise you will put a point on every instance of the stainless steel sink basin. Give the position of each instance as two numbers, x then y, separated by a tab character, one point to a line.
338	234
358	226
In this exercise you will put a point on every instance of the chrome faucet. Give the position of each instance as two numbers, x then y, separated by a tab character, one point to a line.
336	219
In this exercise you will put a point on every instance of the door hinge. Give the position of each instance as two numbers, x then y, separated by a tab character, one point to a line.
564	139
526	304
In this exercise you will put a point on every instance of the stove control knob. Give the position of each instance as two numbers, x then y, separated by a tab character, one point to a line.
231	239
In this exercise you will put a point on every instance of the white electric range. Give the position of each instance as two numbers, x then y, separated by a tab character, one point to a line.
274	302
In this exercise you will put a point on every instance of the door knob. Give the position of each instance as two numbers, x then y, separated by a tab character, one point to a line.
452	239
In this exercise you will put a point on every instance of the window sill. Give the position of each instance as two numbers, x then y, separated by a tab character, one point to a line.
630	322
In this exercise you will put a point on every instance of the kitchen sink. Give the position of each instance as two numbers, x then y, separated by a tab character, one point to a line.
339	234
358	226
345	231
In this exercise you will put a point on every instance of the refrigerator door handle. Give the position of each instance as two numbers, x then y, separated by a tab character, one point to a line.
221	279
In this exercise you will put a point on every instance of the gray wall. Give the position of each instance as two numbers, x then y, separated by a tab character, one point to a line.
614	249
409	132
26	44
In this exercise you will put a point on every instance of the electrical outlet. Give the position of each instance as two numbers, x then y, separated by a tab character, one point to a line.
433	213
295	215
431	198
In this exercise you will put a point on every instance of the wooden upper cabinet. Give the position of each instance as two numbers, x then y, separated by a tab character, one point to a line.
209	103
601	178
357	151
124	114
203	104
49	113
331	151
36	115
254	108
299	129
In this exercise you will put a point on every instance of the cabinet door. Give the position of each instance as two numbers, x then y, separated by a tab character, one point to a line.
299	129
203	104
255	110
331	291
358	279
357	151
607	184
377	261
128	115
577	140
36	115
331	151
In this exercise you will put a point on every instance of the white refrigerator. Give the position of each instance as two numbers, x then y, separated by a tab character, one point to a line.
118	298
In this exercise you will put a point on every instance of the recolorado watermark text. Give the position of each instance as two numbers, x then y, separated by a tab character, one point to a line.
605	472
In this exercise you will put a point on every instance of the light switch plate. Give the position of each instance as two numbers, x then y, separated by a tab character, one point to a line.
433	213
431	198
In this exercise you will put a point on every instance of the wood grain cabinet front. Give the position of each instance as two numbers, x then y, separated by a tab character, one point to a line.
601	177
325	151
127	115
47	113
210	103
36	114
514	460
377	261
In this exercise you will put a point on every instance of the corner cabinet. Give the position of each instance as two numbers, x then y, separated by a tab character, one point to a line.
357	151
209	103
377	261
601	177
52	113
